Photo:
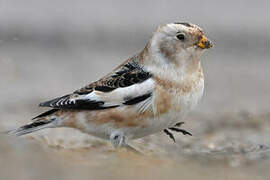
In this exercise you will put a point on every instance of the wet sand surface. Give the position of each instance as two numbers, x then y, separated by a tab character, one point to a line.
45	56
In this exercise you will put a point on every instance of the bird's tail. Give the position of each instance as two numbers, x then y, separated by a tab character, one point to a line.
32	127
42	121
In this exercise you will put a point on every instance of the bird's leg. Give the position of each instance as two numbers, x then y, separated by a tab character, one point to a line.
176	129
118	140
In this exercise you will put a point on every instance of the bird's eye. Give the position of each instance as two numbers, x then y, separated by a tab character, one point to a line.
180	36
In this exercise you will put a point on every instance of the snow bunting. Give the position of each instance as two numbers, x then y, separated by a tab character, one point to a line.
150	92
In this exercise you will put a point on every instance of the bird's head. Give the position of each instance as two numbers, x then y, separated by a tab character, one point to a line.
179	41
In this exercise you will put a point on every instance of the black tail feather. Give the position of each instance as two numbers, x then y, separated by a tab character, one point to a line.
29	128
46	113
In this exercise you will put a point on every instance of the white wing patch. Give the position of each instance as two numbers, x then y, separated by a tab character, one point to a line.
120	95
144	105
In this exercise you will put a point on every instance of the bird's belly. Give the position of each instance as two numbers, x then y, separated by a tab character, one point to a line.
147	126
101	124
156	124
182	106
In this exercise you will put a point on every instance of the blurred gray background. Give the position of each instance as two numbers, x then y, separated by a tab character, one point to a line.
51	48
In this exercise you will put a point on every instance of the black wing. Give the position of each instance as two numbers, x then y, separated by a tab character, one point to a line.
127	75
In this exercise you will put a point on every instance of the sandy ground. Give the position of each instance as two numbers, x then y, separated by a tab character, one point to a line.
48	51
229	146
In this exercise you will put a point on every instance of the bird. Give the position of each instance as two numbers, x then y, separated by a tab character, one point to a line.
148	93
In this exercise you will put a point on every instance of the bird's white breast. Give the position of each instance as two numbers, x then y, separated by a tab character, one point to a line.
181	104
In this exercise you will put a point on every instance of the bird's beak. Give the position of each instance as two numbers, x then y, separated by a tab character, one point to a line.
204	43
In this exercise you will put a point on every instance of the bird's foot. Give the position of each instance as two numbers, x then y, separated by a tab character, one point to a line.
176	129
118	140
166	131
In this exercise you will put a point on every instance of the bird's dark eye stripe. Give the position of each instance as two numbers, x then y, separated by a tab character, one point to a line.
183	23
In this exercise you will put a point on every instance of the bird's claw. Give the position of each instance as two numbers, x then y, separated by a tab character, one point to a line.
176	129
179	124
184	132
166	131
